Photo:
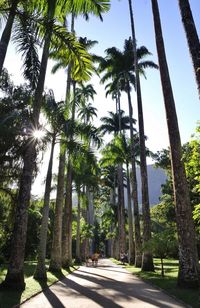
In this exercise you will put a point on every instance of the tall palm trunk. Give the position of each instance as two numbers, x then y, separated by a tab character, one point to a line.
121	206
15	276
121	210
91	217
56	251
188	275
130	220
192	37
67	220
67	214
5	37
40	272
138	243
111	241
56	262
78	237
147	258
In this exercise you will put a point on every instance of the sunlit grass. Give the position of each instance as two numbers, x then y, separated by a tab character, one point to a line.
10	298
168	282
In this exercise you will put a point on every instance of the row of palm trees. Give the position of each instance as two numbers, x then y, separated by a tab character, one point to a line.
186	268
51	16
123	70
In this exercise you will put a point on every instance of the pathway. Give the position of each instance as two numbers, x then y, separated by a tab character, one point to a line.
107	285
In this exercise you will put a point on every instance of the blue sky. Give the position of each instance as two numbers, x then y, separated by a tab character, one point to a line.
112	32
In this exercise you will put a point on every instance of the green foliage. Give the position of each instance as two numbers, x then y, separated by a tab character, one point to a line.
6	224
14	118
162	244
25	35
191	157
34	222
169	282
163	222
13	298
87	231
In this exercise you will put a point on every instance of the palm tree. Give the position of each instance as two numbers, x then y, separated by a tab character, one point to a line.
21	14
188	275
56	250
79	97
120	67
56	119
147	260
6	34
119	150
111	123
192	37
54	10
87	112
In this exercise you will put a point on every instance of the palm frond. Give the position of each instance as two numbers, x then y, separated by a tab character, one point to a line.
25	35
65	46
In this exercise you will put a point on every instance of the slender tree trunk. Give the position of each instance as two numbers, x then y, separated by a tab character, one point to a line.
131	254
40	272
162	268
56	262
56	252
113	203
91	216
78	237
138	243
5	37
147	258
121	211
14	278
67	220
192	37
188	275
67	214
15	275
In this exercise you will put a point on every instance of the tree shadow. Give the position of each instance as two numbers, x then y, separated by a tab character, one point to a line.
122	290
10	298
92	295
51	297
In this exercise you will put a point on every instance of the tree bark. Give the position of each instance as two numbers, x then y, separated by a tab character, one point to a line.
121	211
14	278
192	38
138	243
147	258
67	220
78	237
56	262
131	255
40	272
15	275
5	37
188	275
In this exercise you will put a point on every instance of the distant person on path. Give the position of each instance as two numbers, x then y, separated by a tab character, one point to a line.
95	258
123	257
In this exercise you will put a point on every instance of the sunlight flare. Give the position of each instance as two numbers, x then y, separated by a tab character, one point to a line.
38	134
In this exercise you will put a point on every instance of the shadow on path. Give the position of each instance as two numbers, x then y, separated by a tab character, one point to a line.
101	300
124	290
94	274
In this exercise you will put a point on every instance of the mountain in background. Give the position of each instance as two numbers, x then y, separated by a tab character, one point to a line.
156	177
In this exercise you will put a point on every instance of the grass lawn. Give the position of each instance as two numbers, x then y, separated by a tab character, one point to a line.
10	298
167	283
